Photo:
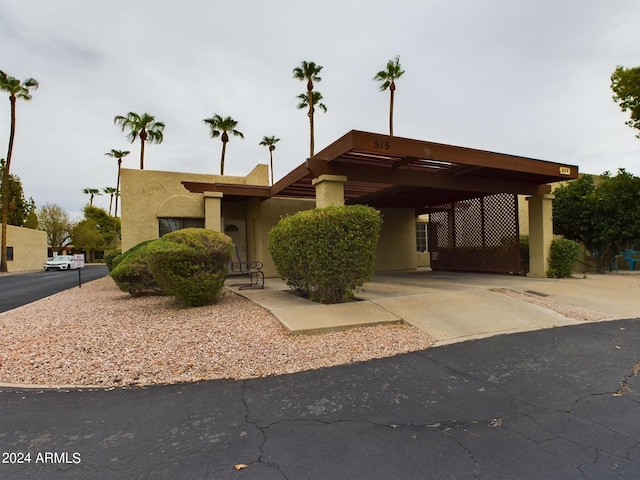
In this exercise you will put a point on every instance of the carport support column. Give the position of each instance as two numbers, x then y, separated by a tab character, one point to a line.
329	190
213	211
540	233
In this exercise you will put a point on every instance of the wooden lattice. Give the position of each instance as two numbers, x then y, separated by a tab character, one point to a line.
476	235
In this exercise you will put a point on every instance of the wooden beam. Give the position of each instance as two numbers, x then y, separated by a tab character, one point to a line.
442	181
228	189
398	146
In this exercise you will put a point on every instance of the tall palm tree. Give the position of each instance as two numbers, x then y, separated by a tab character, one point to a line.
388	77
142	126
271	143
92	192
118	155
315	101
111	191
16	89
308	71
219	125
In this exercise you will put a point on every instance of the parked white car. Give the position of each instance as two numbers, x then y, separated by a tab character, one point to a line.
61	262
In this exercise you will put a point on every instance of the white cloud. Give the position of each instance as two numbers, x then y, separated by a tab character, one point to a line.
513	76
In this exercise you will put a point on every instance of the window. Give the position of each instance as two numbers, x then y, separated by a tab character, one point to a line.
9	254
421	237
166	225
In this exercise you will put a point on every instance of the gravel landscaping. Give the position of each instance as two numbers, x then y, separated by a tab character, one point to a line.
99	336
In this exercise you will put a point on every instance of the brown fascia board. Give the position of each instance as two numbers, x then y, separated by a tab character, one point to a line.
388	175
229	189
405	147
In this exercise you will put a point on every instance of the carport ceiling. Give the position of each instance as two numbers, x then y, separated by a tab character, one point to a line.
384	171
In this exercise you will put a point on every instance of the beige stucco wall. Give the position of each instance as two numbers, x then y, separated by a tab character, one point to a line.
397	244
149	194
29	248
261	217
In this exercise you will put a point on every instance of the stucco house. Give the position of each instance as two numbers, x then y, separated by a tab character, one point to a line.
449	207
26	249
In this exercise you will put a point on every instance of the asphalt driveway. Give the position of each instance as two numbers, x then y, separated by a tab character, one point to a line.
559	403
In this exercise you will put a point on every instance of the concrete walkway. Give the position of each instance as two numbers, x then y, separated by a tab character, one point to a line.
454	307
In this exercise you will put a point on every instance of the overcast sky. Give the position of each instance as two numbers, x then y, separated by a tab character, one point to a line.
527	78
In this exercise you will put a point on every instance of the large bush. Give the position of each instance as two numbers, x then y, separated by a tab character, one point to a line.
110	257
326	253
563	255
191	264
131	273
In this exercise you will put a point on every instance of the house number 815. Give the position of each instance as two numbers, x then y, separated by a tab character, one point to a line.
381	144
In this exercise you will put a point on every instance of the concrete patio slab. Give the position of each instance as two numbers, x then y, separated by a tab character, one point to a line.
453	307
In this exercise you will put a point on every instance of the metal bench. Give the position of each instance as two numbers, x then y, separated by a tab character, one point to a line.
251	269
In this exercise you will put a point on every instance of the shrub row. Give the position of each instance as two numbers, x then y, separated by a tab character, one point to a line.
326	253
190	264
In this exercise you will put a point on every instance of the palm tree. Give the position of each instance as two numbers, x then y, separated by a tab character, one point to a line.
304	103
111	191
118	155
308	71
218	125
22	90
271	143
388	77
92	192
142	126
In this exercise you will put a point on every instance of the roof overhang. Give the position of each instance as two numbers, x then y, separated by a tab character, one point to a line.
385	171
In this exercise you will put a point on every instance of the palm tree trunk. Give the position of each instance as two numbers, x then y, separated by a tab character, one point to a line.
224	148
392	89
311	130
271	163
117	188
141	154
5	189
110	203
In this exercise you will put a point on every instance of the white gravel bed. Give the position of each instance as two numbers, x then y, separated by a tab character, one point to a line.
99	336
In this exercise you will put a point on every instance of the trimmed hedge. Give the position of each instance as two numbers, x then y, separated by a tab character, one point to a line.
563	255
191	264
110	257
131	273
326	253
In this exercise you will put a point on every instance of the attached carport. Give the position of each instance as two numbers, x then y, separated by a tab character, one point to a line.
470	195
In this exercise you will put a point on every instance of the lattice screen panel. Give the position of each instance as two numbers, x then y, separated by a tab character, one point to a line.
476	235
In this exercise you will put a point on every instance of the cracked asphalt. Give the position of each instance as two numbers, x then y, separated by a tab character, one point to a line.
562	403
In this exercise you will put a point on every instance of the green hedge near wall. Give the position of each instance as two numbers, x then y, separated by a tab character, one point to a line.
326	253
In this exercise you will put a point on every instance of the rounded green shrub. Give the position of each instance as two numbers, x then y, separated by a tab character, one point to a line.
131	273
326	253
563	255
191	264
109	257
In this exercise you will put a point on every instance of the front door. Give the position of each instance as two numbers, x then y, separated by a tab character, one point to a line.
237	230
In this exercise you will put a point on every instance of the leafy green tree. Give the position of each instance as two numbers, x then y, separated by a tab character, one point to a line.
271	143
308	71
145	127
602	213
388	77
625	83
56	223
92	192
118	155
20	209
219	125
16	89
94	232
